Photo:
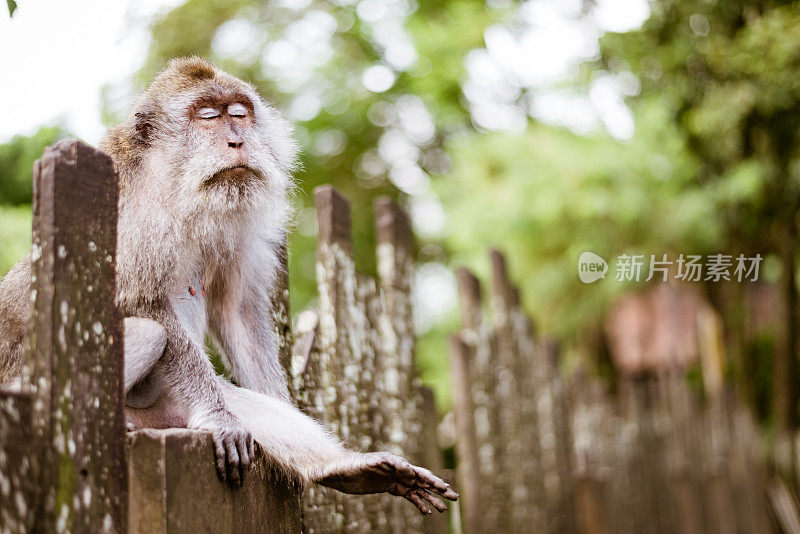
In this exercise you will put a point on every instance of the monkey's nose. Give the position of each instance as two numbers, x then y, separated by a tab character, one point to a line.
234	138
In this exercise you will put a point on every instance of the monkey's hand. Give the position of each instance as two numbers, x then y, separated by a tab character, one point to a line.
233	445
378	472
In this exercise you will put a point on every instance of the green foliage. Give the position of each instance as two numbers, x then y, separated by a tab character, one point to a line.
15	235
16	171
546	196
12	6
729	70
696	177
16	163
433	363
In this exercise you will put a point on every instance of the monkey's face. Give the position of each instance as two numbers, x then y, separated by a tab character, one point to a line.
228	149
213	141
223	125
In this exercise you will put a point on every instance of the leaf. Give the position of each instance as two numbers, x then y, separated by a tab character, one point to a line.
12	6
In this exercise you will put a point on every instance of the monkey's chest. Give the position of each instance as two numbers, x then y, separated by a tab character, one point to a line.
189	303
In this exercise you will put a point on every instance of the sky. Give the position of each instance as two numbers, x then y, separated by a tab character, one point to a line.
57	55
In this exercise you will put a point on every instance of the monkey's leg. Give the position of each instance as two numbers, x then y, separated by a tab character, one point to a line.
145	341
306	449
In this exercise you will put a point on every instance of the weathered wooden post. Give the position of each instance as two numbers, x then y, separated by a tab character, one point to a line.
281	315
432	458
469	475
553	418
685	467
371	397
476	333
312	386
591	505
397	368
339	347
395	271
353	367
75	340
591	444
518	423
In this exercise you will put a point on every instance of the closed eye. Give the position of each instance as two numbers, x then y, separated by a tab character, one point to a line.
208	113
237	110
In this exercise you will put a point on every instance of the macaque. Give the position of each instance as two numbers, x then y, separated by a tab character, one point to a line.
205	170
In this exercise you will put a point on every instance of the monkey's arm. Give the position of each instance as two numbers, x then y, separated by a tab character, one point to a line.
189	379
303	447
240	321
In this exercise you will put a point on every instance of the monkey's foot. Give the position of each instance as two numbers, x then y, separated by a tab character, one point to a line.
378	472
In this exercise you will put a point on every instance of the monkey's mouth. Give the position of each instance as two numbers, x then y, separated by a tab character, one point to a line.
233	175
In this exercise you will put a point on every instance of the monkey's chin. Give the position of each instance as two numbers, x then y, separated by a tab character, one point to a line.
232	176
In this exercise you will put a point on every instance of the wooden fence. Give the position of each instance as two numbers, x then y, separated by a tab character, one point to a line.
537	453
353	367
66	462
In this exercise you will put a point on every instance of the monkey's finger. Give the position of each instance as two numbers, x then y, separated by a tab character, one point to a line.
433	483
233	461
434	500
219	453
241	470
244	454
418	502
251	447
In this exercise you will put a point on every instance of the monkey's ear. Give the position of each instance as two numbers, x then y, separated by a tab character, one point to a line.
144	127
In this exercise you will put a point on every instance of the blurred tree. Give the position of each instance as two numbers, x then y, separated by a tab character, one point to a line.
15	235
16	170
548	195
16	163
728	71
